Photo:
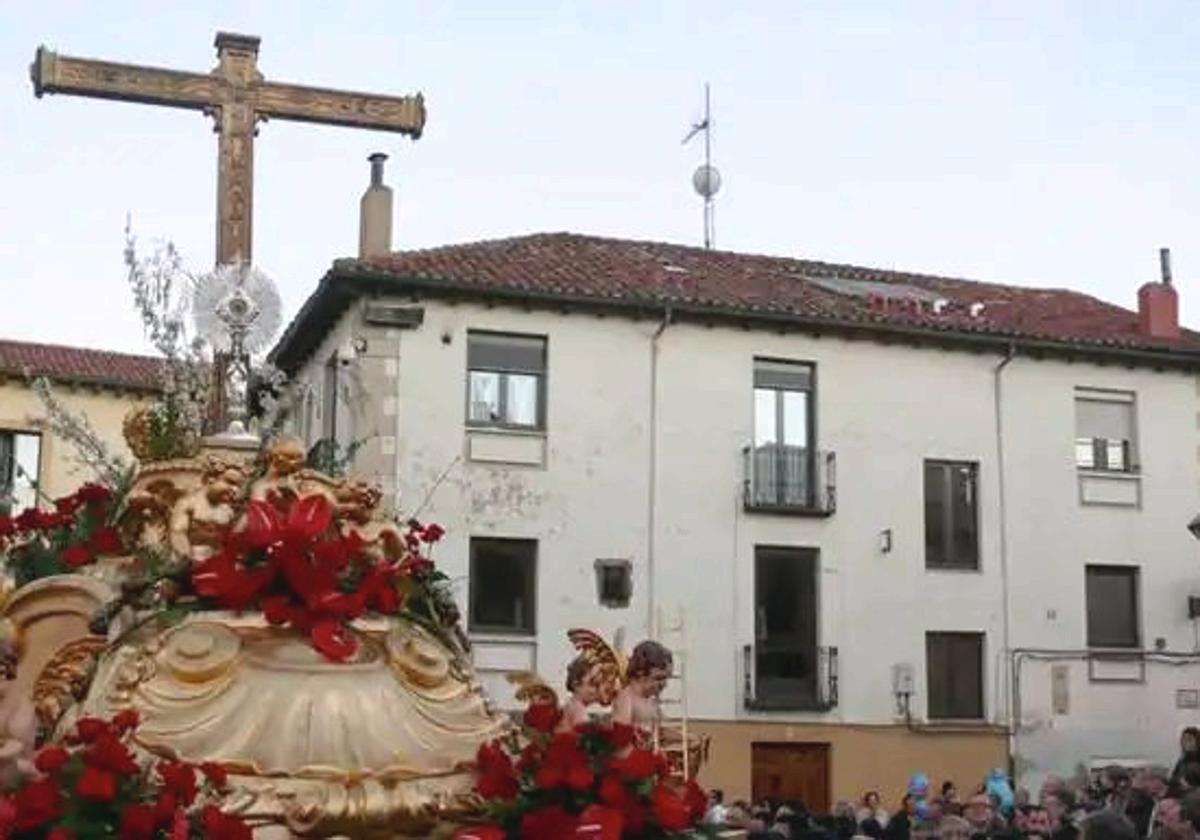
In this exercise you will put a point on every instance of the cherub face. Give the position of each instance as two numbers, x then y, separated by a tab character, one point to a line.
652	684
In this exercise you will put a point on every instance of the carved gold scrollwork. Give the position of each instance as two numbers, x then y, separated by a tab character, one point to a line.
65	678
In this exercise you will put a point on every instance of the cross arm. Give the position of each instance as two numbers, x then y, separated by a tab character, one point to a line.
54	73
403	114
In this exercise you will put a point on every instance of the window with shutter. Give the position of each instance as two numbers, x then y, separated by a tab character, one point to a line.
954	675
1104	430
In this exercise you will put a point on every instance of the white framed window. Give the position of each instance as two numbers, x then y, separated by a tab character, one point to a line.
1105	426
506	380
20	468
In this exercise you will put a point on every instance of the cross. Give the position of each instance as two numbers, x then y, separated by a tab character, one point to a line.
237	97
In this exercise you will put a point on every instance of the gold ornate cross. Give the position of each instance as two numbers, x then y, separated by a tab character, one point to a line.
237	97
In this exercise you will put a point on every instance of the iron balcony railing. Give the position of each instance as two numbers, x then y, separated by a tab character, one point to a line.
789	679
778	478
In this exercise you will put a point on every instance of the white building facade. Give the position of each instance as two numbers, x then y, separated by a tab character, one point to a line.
878	545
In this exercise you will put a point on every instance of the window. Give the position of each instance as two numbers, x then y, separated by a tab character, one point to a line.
614	582
20	464
951	515
503	590
786	656
782	467
330	409
1112	607
506	380
954	675
1104	426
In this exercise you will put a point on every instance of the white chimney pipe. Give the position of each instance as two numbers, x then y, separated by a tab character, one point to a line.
375	214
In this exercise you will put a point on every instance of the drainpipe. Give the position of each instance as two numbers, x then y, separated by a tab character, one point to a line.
652	478
997	394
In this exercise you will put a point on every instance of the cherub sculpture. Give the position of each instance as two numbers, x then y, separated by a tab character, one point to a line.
585	690
18	718
201	519
636	704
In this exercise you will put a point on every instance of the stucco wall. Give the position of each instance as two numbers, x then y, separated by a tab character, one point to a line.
883	409
60	471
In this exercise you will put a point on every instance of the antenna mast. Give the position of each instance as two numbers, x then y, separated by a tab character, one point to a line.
706	179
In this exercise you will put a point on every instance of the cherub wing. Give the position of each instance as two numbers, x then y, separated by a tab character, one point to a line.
601	653
530	688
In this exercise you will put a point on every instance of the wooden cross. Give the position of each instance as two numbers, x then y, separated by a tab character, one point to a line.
237	97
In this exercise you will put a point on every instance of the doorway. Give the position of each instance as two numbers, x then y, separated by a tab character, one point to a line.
786	772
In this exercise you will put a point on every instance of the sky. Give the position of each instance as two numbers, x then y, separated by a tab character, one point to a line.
1034	143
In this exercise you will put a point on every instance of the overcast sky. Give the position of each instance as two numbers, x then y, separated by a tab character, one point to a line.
1042	143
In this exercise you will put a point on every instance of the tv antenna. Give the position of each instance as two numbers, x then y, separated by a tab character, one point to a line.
706	180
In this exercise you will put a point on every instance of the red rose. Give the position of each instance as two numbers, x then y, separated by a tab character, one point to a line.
7	526
77	555
138	822
178	780
50	758
670	811
60	834
432	532
621	735
125	720
98	785
480	832
579	776
599	823
613	792
334	640
106	540
36	804
221	826
110	755
542	716
696	800
215	773
94	494
89	728
639	764
67	505
550	823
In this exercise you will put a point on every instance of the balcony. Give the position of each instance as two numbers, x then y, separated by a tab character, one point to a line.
776	679
793	480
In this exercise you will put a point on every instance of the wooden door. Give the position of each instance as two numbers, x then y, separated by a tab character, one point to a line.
784	772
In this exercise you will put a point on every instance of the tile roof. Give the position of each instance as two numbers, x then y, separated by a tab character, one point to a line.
615	272
79	365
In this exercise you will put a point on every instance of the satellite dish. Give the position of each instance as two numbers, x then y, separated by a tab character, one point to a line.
236	299
706	180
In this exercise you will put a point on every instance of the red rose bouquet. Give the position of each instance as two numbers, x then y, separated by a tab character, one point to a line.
590	783
93	787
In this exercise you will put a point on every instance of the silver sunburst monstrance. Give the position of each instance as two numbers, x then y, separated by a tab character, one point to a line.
236	309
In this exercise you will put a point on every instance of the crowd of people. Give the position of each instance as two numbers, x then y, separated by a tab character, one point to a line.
1115	803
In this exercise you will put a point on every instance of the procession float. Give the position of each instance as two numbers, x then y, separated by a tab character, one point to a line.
225	640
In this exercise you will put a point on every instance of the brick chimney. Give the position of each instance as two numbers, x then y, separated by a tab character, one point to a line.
375	213
1158	303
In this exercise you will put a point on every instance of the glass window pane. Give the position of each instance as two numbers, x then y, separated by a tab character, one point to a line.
765	431
936	514
1112	619
27	449
966	537
795	418
1116	455
522	393
1085	454
483	400
502	585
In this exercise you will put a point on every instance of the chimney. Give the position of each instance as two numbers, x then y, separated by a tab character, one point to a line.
1158	303
375	214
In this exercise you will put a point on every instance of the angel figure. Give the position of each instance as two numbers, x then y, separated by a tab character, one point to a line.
585	687
18	719
636	704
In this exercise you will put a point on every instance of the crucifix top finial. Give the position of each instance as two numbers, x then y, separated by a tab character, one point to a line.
237	96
